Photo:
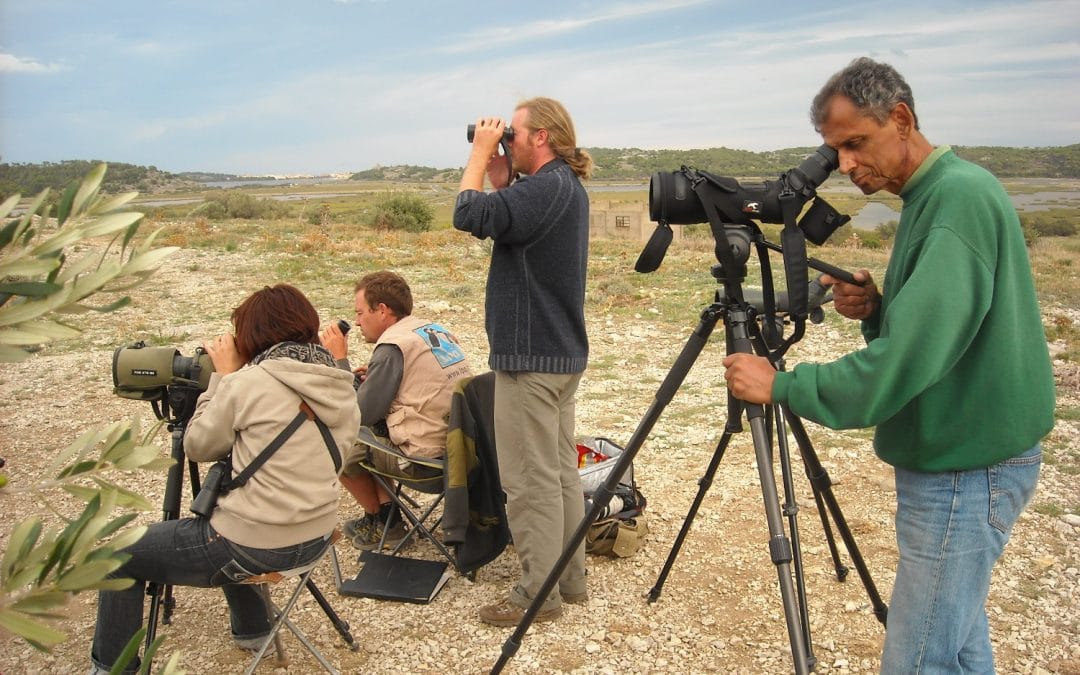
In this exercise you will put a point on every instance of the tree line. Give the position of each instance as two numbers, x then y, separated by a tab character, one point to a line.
30	179
611	164
635	163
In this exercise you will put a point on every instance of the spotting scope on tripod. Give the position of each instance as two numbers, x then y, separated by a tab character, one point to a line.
171	383
753	323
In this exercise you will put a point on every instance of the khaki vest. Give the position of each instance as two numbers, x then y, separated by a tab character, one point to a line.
433	363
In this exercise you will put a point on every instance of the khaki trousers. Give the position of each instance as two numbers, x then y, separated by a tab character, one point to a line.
537	449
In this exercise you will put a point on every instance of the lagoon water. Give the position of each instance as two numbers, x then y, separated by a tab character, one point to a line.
271	182
872	215
876	213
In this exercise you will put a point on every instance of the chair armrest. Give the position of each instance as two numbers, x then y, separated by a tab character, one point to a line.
367	436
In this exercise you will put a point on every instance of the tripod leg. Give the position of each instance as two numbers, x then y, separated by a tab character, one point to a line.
703	487
341	626
791	510
780	550
779	545
830	539
160	594
822	484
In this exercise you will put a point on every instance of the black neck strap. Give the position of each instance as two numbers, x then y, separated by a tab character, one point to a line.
305	414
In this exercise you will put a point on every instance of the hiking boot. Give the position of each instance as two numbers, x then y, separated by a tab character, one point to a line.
366	533
505	614
350	528
575	598
252	645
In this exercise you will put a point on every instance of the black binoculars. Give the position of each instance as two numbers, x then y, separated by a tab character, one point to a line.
470	131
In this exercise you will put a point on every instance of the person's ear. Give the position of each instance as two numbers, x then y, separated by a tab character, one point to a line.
904	119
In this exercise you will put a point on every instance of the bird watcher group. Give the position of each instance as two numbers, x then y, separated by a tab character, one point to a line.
959	410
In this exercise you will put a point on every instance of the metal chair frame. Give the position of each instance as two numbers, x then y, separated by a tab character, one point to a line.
279	616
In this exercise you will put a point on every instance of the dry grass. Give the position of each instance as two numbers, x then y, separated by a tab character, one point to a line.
723	590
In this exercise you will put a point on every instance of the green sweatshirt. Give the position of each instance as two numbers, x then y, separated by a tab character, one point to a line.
956	373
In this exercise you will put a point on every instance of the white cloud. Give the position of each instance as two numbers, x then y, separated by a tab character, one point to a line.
502	35
9	63
146	48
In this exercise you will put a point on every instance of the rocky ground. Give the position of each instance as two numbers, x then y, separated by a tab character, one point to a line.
720	609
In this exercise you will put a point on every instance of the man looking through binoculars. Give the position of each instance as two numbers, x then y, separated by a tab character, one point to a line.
955	375
535	320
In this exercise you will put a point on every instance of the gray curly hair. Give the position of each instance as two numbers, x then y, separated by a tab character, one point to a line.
875	89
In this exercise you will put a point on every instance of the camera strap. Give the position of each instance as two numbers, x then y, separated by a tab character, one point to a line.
796	270
305	414
510	175
772	333
723	245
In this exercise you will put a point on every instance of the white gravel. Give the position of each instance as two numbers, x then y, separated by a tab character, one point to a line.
720	610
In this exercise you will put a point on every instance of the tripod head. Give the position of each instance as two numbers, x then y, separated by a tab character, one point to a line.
177	405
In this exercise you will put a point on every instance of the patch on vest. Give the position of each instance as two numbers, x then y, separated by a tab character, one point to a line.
442	344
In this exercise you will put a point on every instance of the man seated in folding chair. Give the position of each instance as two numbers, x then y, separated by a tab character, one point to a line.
404	393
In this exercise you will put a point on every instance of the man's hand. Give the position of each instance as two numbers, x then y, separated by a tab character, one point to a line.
223	354
855	301
749	377
333	339
486	136
498	171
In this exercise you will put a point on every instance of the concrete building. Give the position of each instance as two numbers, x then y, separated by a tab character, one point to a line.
622	220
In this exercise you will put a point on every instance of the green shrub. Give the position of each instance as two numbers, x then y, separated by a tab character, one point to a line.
871	238
1052	223
320	216
236	204
1055	228
887	231
403	211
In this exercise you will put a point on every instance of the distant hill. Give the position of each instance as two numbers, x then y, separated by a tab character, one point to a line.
210	177
407	172
639	165
1062	162
30	179
631	164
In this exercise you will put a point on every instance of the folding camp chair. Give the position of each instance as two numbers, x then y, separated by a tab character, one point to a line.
473	517
421	519
279	616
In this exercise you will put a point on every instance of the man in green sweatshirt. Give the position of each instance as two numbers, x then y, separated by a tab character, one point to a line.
955	375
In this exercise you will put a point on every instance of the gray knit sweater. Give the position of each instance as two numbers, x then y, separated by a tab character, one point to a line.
535	307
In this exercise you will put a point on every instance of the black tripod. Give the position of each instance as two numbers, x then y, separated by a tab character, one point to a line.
742	335
176	409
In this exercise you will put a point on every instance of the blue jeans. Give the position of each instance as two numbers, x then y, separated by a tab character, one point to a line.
188	552
950	530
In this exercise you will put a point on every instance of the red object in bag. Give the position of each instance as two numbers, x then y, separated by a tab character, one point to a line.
586	456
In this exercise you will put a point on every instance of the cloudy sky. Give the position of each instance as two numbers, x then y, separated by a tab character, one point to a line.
320	86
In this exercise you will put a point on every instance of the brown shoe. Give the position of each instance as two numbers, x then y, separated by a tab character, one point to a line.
576	598
505	614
